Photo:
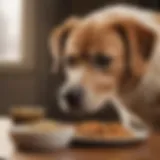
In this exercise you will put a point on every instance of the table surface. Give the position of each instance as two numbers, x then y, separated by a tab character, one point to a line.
149	150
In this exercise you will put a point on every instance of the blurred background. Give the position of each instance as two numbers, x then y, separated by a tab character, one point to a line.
25	62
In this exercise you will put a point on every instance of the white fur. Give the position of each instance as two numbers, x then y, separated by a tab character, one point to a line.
72	80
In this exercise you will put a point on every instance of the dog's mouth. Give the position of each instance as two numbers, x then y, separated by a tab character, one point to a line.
80	111
85	108
105	112
72	109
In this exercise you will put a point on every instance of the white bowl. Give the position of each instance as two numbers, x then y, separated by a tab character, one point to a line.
56	139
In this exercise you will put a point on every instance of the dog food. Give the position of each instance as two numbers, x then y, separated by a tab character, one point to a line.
102	130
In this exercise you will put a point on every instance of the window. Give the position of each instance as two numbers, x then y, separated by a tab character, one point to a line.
17	34
10	31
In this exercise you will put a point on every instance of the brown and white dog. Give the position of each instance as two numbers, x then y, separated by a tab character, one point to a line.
110	56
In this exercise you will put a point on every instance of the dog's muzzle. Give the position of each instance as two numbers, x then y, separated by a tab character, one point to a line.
74	98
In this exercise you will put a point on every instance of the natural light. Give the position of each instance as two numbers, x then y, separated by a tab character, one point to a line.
10	31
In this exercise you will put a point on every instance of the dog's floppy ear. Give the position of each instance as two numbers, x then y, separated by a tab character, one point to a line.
58	39
139	40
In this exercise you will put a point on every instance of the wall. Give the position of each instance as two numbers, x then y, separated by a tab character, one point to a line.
30	87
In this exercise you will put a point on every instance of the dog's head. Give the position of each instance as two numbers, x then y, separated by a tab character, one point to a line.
102	58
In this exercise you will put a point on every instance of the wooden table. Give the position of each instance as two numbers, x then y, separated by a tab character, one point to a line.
150	150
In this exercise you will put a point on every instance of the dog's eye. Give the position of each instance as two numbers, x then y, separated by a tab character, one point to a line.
101	61
72	61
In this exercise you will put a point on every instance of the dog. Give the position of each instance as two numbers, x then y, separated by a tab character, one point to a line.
110	56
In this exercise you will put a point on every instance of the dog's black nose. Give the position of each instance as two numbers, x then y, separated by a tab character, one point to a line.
74	98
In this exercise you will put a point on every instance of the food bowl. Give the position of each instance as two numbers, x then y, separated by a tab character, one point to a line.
26	114
47	138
